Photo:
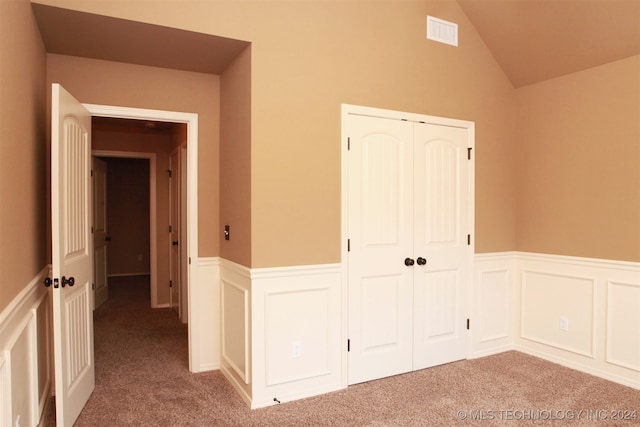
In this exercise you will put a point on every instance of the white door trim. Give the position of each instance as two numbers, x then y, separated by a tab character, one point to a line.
153	240
191	120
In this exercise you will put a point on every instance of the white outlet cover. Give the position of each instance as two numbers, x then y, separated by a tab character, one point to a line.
564	323
296	349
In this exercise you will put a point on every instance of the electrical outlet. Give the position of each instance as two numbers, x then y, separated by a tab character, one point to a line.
296	349
564	323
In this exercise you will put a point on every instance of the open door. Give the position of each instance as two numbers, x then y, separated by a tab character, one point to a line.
100	238
72	255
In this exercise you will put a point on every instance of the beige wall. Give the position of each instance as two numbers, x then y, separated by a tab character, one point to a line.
235	159
306	59
579	163
128	216
23	148
127	85
309	57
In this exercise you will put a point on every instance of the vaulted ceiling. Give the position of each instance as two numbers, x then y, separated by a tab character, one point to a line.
535	40
532	40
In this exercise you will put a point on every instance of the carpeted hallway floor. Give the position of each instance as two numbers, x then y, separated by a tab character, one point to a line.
142	380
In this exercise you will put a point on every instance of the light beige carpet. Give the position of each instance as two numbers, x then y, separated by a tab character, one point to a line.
142	380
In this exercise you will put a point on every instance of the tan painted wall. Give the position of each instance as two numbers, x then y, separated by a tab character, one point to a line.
128	216
579	163
309	57
23	150
235	159
127	85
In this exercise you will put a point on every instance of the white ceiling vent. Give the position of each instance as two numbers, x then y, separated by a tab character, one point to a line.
442	31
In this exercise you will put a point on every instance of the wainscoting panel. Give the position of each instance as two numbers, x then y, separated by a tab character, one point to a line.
5	393
235	363
493	306
236	307
296	332
623	324
204	315
25	371
582	313
552	301
306	355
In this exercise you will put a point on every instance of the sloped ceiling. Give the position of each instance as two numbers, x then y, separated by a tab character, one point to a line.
535	40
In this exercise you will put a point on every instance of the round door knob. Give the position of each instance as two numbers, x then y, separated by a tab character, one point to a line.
48	282
421	261
408	262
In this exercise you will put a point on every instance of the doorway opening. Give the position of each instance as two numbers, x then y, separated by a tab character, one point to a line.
125	220
155	119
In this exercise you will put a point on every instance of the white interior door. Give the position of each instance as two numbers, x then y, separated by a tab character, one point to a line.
72	255
101	292
409	214
175	221
442	212
380	228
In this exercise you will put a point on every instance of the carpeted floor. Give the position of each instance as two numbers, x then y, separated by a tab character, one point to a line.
142	379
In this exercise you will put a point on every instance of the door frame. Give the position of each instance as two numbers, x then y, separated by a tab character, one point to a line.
176	224
153	240
191	120
350	109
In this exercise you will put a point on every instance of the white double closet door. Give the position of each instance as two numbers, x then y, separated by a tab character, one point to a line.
410	216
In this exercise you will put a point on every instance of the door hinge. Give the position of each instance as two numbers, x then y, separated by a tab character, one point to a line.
91	172
348	345
348	245
171	283
169	173
91	230
189	260
468	324
348	143
469	153
170	229
469	239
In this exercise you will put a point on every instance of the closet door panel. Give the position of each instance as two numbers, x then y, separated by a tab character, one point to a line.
380	228
441	223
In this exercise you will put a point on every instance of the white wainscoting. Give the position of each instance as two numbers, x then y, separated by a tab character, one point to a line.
204	315
281	331
519	298
296	332
235	364
494	304
599	300
25	371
